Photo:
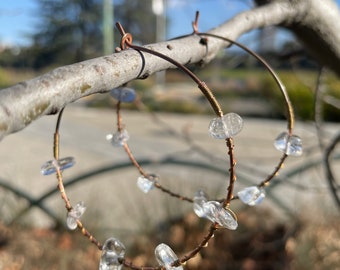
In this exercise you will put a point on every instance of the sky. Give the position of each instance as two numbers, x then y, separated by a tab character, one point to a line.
16	20
18	17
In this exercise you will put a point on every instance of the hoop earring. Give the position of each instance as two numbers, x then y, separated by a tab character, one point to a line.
224	126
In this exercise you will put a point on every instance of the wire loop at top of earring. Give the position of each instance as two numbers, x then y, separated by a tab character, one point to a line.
126	38
125	41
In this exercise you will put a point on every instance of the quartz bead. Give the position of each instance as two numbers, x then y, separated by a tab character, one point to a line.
124	94
227	219
166	257
51	166
74	215
213	211
118	138
216	213
145	184
200	199
252	195
226	126
290	145
113	251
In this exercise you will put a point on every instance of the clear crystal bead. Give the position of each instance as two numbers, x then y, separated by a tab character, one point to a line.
200	199
145	184
226	126
290	145
166	257
227	219
213	211
74	215
51	166
71	223
216	213
252	195
118	138
113	251
124	94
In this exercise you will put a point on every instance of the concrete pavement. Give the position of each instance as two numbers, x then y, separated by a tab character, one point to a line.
113	200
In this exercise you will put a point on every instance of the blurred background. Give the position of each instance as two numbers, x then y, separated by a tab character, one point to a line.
297	227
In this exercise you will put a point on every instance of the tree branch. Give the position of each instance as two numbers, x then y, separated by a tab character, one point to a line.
47	94
317	26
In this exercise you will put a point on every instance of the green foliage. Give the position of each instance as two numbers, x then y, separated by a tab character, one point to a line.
244	84
300	94
250	91
68	32
10	77
174	106
137	18
71	31
3	78
332	90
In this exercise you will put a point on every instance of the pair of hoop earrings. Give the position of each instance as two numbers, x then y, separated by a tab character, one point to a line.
223	126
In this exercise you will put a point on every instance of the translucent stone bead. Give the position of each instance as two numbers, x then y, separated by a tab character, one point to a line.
118	138
74	215
216	213
227	219
113	251
50	166
200	199
213	211
252	195
145	184
166	257
210	210
124	94
290	145
226	126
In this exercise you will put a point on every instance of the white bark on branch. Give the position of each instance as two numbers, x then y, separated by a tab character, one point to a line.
47	94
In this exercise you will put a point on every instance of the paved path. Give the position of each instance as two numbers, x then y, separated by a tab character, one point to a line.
113	199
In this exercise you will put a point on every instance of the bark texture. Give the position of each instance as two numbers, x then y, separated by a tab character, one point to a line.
315	22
